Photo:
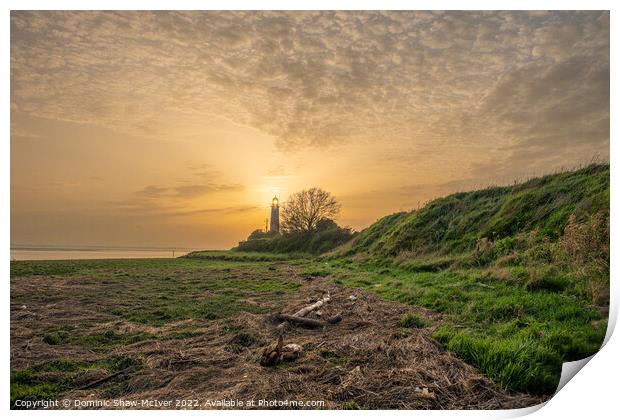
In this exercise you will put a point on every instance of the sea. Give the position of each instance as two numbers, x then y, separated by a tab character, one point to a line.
53	252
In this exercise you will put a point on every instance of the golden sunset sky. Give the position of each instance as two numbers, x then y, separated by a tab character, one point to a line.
177	128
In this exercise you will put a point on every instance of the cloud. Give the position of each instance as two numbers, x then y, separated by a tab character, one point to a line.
165	199
514	82
151	191
226	210
197	190
161	210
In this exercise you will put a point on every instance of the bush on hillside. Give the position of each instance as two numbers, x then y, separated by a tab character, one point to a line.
327	236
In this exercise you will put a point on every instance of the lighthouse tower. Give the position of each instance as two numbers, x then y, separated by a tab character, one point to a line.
274	225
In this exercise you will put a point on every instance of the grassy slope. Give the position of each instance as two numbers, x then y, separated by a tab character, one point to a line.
455	223
520	273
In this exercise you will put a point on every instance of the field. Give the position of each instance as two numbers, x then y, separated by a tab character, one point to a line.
472	301
193	329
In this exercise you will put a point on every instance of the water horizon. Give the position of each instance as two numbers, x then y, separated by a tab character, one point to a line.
21	252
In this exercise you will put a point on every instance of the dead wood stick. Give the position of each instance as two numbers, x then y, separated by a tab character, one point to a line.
306	322
306	310
107	378
316	305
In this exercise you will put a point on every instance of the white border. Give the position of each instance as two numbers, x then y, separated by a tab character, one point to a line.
592	394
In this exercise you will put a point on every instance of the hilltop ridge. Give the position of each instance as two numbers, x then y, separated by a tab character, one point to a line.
456	223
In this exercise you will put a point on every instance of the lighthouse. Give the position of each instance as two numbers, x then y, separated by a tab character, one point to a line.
274	225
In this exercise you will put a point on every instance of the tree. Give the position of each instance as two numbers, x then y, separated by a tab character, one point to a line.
305	209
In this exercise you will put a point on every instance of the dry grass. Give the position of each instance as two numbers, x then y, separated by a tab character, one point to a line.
366	361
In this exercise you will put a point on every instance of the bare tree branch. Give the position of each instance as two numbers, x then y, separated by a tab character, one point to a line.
305	209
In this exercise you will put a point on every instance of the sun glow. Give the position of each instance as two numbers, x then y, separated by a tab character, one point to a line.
229	127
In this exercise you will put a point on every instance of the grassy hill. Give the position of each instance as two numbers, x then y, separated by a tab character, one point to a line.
519	274
456	223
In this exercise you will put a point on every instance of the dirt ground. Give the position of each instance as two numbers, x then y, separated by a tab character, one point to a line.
366	361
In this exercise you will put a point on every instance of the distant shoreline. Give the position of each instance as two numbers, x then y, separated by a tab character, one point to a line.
91	253
22	247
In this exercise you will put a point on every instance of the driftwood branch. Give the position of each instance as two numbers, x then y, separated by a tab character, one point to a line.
305	311
306	322
316	305
276	352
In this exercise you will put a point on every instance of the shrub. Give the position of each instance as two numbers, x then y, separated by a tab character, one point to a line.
260	234
326	237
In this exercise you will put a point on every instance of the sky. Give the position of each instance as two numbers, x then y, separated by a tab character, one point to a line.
175	129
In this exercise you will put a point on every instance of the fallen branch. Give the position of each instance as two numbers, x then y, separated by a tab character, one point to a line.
306	322
316	305
306	310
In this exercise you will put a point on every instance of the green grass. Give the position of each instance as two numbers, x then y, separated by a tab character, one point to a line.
517	336
100	340
35	383
242	256
159	291
455	223
32	392
515	333
104	340
520	273
412	321
334	358
351	405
